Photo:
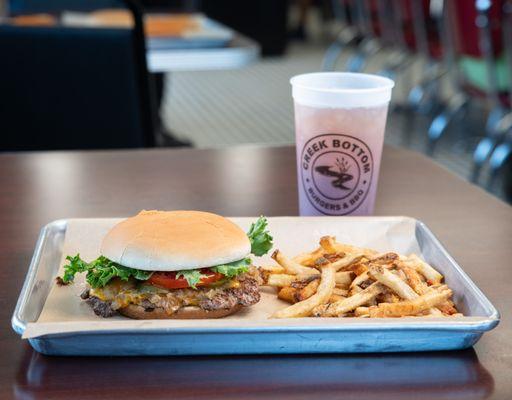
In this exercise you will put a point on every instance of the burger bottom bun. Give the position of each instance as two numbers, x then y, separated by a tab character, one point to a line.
138	312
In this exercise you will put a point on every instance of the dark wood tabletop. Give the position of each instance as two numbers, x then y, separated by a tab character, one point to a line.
37	188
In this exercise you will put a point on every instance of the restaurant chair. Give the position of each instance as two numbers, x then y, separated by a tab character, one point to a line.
451	111
347	36
364	13
470	58
423	37
480	47
501	157
421	96
75	88
399	59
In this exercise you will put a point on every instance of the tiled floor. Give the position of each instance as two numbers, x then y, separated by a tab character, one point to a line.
253	105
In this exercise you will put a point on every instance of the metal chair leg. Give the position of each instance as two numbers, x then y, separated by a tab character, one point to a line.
481	154
345	38
410	108
332	55
366	49
398	61
501	153
496	128
356	62
498	160
455	109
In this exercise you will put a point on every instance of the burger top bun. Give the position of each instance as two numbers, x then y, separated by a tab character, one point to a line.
175	240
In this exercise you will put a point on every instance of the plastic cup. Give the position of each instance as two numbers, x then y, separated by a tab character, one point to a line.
340	120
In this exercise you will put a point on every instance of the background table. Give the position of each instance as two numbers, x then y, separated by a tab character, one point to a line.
40	187
240	52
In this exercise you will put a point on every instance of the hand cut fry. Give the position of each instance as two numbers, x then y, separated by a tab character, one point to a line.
334	257
456	315
354	290
281	280
350	303
335	297
423	268
362	312
304	308
349	249
302	283
392	281
308	291
328	243
272	269
287	294
340	292
344	278
328	259
292	267
359	268
414	280
360	279
447	307
386	297
383	258
435	312
308	259
411	307
347	261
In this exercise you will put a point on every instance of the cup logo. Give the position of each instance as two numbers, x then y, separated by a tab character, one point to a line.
336	172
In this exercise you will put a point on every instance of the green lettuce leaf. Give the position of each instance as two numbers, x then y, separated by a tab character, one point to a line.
100	271
192	276
234	268
261	241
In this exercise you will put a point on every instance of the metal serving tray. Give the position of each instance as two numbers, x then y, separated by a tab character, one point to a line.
298	336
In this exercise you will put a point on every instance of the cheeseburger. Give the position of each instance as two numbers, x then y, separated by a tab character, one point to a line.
173	264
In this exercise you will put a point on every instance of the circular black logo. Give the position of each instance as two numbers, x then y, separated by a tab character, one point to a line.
336	172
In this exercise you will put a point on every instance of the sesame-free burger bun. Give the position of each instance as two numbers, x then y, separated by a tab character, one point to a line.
175	240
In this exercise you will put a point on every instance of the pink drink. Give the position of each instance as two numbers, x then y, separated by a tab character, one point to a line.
339	139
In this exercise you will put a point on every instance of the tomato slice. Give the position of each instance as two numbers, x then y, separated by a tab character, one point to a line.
168	279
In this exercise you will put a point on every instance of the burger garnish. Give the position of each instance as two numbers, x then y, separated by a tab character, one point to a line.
153	238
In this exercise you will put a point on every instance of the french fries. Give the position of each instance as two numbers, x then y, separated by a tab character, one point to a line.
341	280
350	303
308	291
340	292
292	267
411	307
328	243
323	293
287	294
415	281
344	278
272	269
308	259
423	268
344	263
281	280
393	282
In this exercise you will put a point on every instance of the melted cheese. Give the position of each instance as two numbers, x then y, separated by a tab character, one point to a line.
121	294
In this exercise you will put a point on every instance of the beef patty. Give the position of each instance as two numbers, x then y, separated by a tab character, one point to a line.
242	290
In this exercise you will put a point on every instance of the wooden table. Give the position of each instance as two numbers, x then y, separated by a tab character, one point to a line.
40	187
